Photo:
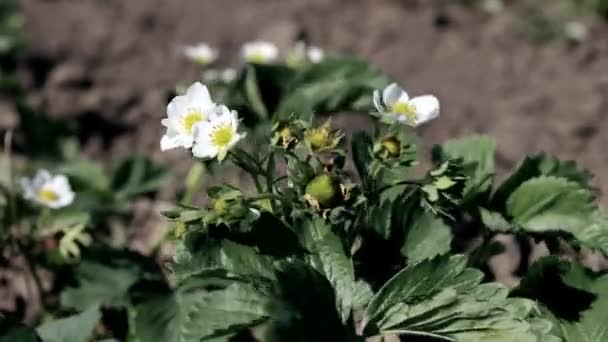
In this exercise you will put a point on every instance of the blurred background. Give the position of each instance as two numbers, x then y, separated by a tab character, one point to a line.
531	73
522	71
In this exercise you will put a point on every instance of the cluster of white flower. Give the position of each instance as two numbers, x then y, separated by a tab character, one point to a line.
195	121
257	52
53	191
395	105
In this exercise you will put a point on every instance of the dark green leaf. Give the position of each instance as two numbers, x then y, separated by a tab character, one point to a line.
535	166
427	237
99	284
336	84
77	328
551	204
329	258
137	175
477	153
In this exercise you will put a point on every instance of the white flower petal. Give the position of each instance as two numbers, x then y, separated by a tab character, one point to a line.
378	102
393	93
315	54
168	142
177	107
204	150
198	96
60	184
427	108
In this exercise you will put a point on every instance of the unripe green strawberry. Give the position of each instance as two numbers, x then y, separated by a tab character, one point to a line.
324	189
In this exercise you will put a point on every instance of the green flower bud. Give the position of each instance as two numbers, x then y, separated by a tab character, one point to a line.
220	206
323	189
322	138
392	145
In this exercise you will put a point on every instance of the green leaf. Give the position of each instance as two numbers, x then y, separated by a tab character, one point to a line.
230	257
224	312
535	166
336	84
85	175
477	153
17	333
544	283
427	237
595	233
441	299
495	221
77	328
137	175
329	258
305	309
567	288
592	325
258	90
99	285
551	204
419	280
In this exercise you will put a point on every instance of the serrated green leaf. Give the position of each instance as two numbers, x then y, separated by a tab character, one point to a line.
428	237
551	204
420	280
477	153
304	316
536	166
441	300
495	221
224	312
211	255
588	325
329	257
77	328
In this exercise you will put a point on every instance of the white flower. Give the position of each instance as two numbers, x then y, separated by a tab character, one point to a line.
48	190
303	53
395	104
202	53
260	52
215	137
315	54
493	6
183	113
576	31
228	75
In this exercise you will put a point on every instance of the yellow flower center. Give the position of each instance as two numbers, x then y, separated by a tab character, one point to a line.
257	57
222	136
203	60
47	195
193	117
319	138
404	108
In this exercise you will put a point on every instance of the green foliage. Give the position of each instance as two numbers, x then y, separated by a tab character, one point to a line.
77	328
311	251
336	84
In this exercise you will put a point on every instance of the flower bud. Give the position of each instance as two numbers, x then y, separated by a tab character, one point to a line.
322	138
392	145
324	190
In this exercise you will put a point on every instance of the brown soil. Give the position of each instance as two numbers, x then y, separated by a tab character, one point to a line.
111	62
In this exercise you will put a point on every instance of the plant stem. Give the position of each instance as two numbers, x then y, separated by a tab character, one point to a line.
193	182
